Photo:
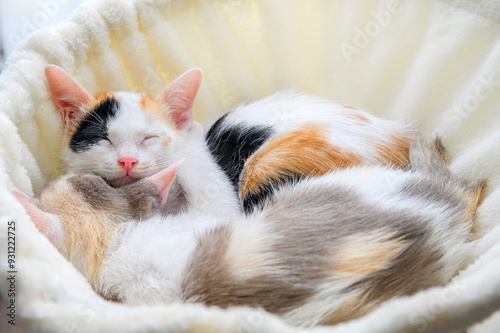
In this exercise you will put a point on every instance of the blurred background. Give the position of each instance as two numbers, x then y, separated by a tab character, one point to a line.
19	18
2	52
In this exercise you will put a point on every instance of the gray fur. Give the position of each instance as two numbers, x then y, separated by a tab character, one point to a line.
143	199
308	228
138	200
273	293
97	193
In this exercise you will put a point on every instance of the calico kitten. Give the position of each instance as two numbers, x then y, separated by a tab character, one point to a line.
124	136
324	250
287	136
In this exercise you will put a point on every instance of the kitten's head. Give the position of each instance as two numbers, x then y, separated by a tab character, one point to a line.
79	213
124	136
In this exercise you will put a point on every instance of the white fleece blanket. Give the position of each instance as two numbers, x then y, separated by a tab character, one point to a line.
433	62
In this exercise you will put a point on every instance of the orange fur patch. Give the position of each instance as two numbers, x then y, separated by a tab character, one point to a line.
148	102
155	109
397	153
87	231
104	95
167	141
358	258
305	151
473	196
357	115
367	254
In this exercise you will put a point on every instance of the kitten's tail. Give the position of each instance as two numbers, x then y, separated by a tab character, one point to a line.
430	157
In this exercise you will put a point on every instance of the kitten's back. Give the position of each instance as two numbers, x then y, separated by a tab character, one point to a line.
287	136
330	249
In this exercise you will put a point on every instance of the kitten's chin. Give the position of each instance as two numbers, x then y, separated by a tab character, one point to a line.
123	181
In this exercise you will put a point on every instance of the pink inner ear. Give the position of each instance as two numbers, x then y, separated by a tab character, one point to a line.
163	180
67	93
179	97
39	217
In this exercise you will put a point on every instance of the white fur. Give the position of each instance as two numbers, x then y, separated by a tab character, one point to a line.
207	187
146	259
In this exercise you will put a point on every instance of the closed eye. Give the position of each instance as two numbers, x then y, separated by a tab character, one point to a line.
149	137
105	139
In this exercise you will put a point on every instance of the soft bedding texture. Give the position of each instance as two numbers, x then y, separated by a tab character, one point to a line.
435	63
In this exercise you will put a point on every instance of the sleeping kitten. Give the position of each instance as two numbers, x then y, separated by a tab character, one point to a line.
321	251
124	136
287	136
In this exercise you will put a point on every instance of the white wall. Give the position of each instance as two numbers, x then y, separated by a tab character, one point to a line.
19	18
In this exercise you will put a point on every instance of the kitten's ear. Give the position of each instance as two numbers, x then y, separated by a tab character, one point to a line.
163	180
179	98
48	224
67	93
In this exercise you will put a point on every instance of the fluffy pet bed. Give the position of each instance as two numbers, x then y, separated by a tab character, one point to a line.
433	62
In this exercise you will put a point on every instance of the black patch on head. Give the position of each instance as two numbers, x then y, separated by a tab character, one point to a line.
232	146
94	127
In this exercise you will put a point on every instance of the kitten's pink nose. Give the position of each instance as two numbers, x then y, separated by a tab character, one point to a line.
128	162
